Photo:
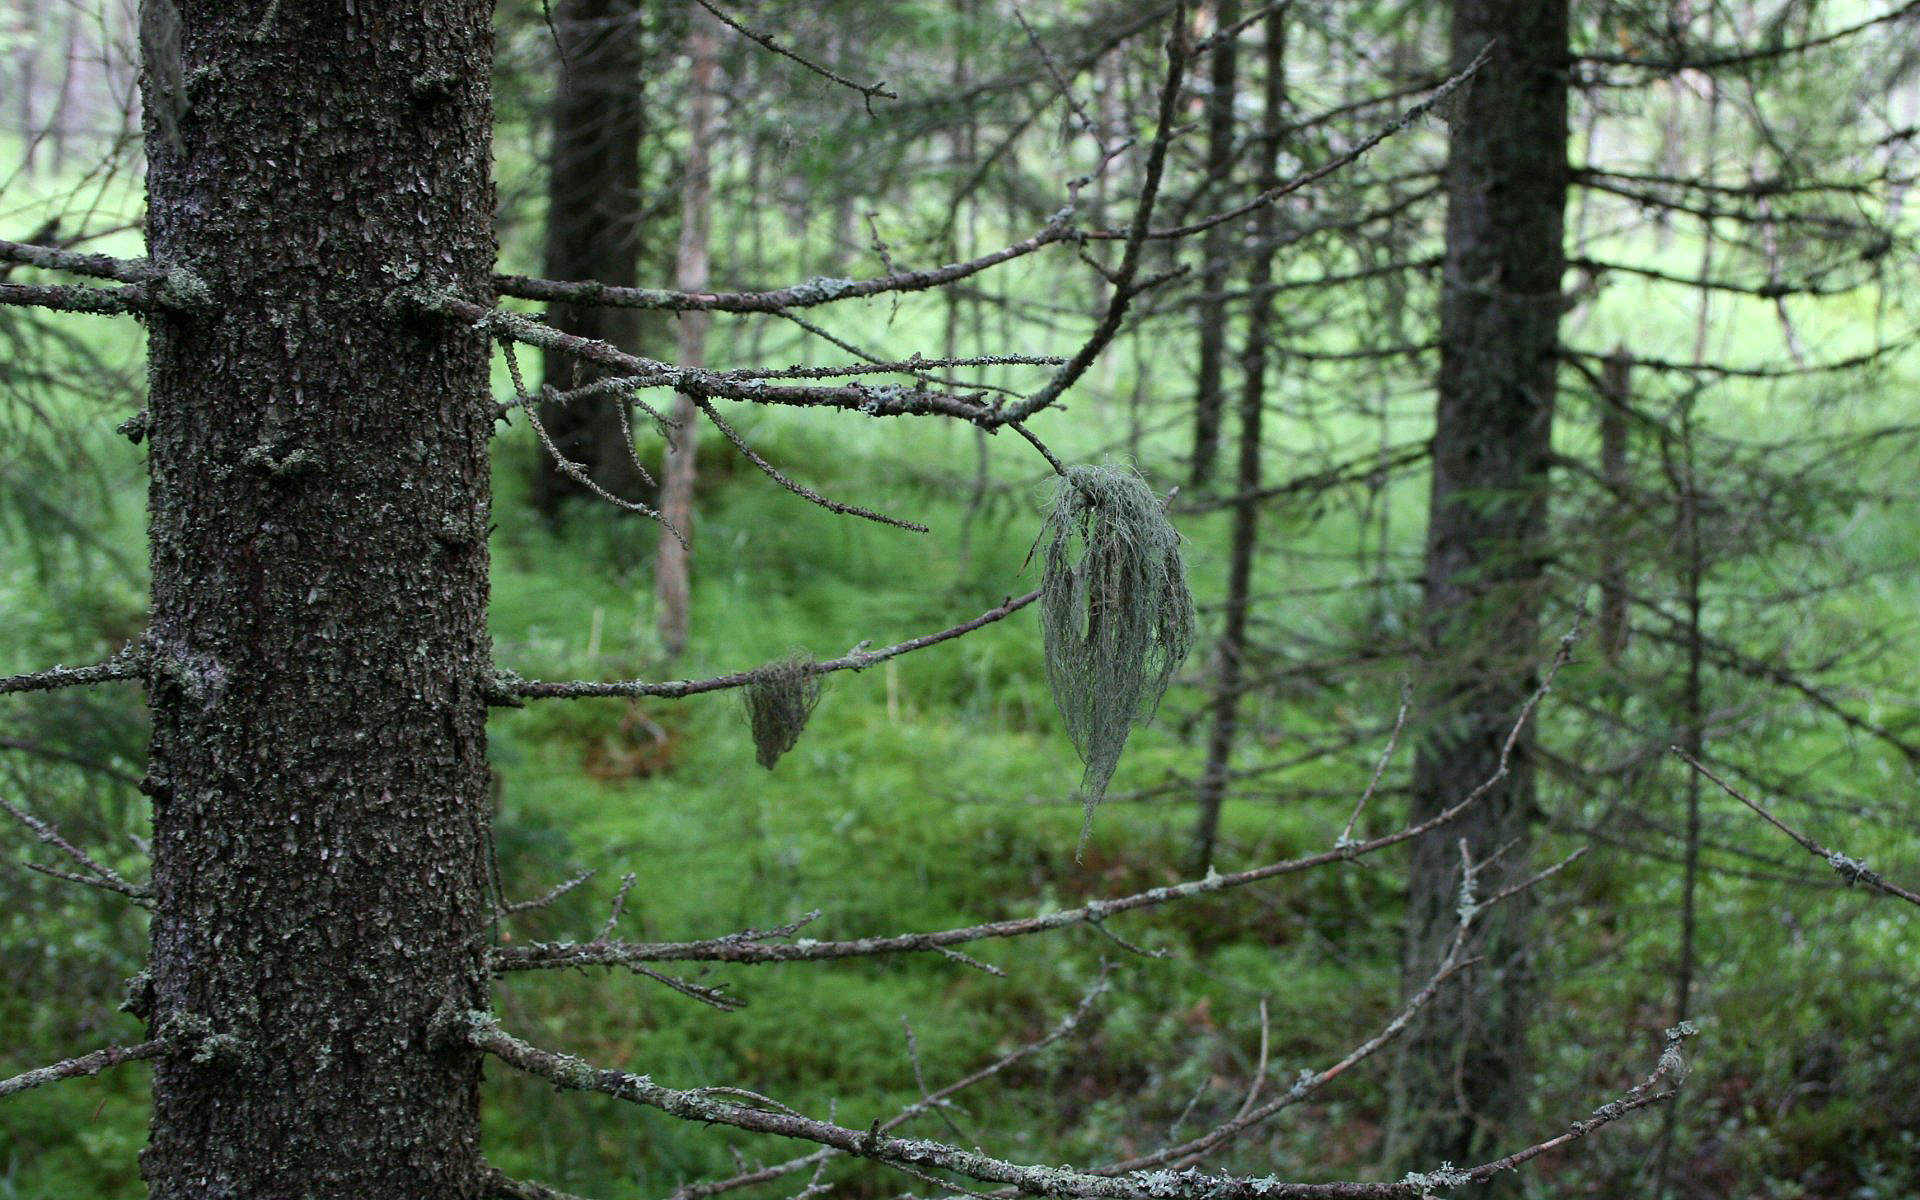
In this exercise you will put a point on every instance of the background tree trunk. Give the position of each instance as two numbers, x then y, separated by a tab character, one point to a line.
1462	1070
673	585
1225	702
593	232
1217	253
1616	401
319	505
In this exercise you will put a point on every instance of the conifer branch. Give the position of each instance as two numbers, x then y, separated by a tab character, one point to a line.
128	663
85	1064
510	689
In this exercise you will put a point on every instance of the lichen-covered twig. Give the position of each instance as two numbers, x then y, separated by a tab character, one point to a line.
547	898
149	285
97	266
133	298
129	663
651	373
509	689
917	1156
85	1064
567	466
1849	868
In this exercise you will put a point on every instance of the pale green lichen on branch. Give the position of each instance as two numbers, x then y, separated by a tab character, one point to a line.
1116	617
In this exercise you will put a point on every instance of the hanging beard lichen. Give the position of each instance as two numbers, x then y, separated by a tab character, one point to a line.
780	697
1116	618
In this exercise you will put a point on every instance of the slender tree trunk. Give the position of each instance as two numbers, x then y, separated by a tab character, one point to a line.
1692	705
672	583
28	58
1615	400
1246	510
1462	1073
593	232
319	504
1217	251
964	150
1693	718
61	125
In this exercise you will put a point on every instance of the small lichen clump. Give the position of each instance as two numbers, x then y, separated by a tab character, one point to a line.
1447	1177
1116	617
780	699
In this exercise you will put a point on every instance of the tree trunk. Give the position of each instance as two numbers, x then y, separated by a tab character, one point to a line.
319	505
1217	253
1616	399
673	594
1246	509
1462	1072
593	232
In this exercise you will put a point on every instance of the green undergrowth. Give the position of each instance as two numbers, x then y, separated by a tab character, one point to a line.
938	790
932	791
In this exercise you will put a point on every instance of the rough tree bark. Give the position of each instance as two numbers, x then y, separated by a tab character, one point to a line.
319	503
593	232
1462	1067
1232	651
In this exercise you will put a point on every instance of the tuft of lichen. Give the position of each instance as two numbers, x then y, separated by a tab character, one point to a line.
780	699
1446	1178
1116	618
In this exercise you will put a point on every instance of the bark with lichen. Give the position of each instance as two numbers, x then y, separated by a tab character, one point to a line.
319	504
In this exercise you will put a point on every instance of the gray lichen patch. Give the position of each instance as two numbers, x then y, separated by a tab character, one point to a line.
779	701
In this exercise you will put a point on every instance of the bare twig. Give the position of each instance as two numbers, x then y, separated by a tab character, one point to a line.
98	875
792	485
1733	58
1380	768
1338	163
867	90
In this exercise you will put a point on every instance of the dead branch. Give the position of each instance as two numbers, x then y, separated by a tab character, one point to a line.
129	663
1850	869
509	688
85	1064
